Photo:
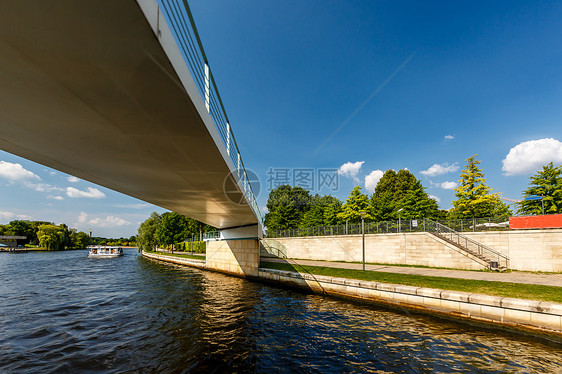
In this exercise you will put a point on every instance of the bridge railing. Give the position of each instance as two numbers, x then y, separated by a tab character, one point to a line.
180	20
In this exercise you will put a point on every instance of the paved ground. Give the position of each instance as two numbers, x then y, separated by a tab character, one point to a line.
513	277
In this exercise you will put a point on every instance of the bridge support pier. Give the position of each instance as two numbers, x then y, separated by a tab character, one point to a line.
239	257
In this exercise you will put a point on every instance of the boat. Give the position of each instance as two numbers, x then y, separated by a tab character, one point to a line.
102	251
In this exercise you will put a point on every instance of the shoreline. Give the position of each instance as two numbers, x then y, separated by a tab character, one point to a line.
536	317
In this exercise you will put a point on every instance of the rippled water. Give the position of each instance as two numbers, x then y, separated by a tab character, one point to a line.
62	312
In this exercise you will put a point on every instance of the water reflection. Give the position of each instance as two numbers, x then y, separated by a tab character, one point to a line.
65	313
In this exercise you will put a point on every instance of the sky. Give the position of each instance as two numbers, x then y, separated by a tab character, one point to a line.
342	91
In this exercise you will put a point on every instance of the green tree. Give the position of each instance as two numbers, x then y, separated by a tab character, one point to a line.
356	203
22	228
391	189
51	237
331	213
146	236
287	206
321	212
172	229
547	183
79	239
417	204
474	198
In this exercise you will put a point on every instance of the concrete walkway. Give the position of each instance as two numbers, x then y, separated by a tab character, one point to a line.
513	277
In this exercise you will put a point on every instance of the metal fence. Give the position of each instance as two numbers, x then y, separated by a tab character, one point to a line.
181	23
416	225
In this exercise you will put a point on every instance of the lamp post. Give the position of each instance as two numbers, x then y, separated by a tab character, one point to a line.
399	220
363	215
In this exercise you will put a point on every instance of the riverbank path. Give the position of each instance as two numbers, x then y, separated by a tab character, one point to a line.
545	279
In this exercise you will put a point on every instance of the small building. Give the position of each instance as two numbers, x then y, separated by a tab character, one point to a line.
11	240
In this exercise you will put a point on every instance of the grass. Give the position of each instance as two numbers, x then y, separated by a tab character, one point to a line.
399	265
176	254
505	289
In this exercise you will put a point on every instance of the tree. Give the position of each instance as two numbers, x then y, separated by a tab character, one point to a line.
79	239
354	205
322	211
547	183
146	237
417	204
474	197
51	237
173	228
287	206
391	189
22	228
331	213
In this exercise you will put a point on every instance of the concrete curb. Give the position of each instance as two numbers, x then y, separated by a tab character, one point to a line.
519	313
176	260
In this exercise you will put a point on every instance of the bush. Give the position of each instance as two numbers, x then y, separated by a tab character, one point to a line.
195	247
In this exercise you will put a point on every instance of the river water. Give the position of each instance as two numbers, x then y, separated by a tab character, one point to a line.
62	312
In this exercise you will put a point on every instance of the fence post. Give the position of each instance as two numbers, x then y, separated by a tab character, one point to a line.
207	88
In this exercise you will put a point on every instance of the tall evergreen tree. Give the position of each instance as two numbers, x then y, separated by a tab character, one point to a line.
474	198
547	183
356	203
417	203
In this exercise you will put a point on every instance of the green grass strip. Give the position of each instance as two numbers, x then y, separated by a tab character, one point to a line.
505	289
176	254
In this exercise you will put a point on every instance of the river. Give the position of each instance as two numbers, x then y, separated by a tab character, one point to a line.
62	312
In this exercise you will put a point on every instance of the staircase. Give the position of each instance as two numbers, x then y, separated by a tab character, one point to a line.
496	261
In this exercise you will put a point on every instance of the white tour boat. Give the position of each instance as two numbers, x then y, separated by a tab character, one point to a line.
105	251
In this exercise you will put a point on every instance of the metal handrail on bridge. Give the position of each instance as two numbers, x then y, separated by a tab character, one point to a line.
180	20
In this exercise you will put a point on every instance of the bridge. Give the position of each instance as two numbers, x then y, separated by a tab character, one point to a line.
121	94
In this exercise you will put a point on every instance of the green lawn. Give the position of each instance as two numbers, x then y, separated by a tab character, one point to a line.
515	290
178	254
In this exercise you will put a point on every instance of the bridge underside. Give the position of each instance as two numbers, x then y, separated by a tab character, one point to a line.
87	88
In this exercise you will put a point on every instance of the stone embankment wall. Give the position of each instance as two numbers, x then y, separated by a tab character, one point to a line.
517	313
536	250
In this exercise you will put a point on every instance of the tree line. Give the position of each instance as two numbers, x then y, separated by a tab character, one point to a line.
401	194
169	228
56	237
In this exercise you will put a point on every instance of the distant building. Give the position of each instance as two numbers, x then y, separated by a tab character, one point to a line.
10	240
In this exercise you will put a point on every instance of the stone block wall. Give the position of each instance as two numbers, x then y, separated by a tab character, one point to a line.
404	248
530	250
237	257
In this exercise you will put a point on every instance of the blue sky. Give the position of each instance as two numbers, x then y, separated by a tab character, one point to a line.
359	86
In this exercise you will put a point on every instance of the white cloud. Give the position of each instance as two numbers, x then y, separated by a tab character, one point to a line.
72	179
16	172
372	179
530	156
90	193
437	169
8	216
55	197
351	169
435	198
109	221
449	137
83	217
449	185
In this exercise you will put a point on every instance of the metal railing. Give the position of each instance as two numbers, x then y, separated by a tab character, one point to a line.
211	235
415	225
494	258
181	23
